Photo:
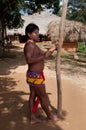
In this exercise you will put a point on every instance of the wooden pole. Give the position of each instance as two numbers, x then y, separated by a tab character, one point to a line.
58	73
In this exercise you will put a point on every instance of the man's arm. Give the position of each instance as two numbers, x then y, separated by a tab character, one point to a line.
28	51
51	50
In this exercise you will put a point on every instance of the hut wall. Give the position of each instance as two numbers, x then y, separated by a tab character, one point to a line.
71	47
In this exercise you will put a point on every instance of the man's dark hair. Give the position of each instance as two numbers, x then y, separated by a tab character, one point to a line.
30	28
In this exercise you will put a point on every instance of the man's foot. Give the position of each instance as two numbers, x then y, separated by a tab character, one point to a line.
53	118
35	121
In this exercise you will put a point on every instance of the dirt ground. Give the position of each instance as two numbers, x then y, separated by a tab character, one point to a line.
14	93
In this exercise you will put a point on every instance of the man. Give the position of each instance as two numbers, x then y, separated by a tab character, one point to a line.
35	59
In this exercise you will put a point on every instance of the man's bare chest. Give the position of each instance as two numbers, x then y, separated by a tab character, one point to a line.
36	51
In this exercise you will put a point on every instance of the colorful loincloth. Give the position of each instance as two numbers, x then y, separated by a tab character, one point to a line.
35	79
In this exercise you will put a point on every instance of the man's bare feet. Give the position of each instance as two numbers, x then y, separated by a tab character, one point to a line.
34	120
53	118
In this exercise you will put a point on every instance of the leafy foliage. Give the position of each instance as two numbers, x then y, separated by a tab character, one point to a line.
77	10
11	16
39	5
11	10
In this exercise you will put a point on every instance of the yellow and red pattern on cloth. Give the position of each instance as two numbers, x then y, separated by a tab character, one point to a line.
36	79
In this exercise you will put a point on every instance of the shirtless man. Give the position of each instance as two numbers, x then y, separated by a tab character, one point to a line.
35	59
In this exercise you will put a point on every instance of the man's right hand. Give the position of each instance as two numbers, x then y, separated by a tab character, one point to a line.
50	51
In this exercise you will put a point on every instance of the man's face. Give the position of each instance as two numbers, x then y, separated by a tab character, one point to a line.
34	35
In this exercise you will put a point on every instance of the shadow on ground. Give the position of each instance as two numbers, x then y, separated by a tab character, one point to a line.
14	109
11	60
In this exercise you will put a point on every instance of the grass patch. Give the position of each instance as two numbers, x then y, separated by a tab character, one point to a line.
81	47
67	56
15	47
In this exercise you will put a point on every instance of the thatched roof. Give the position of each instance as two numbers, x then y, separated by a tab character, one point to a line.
42	20
74	31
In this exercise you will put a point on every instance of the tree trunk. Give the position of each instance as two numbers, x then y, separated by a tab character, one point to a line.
3	33
58	73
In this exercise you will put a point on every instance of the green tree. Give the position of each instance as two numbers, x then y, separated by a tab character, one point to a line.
39	5
77	10
10	14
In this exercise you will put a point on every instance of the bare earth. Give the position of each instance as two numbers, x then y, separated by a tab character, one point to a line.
14	93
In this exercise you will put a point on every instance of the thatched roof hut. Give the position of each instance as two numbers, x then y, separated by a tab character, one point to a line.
42	20
74	31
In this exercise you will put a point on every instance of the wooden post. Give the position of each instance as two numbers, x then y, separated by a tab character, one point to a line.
58	73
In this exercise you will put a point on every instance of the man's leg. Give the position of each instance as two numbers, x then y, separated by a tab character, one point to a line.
41	92
32	97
